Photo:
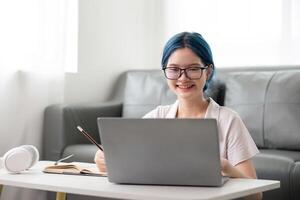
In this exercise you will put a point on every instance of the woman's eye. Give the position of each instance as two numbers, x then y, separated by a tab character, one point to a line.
174	69
194	68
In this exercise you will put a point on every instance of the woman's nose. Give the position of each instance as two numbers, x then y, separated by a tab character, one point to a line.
183	76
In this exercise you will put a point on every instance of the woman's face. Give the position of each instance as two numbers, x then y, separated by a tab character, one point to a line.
183	87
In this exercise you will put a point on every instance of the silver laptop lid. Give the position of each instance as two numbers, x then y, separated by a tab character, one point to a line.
161	151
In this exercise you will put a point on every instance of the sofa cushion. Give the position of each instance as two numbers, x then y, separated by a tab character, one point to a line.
245	93
295	181
293	155
275	167
282	111
81	152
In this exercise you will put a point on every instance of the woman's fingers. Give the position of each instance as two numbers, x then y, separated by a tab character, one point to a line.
100	161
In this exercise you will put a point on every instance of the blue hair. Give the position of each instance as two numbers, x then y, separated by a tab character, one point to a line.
196	43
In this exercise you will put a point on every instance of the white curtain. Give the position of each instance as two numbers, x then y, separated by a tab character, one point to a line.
38	45
241	32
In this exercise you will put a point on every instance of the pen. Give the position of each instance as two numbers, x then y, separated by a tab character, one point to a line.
89	137
62	159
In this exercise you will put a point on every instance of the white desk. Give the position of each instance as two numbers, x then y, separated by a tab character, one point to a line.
99	186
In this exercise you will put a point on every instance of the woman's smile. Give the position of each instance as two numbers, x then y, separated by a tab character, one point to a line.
185	87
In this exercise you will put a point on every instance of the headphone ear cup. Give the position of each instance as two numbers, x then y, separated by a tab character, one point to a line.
17	160
34	154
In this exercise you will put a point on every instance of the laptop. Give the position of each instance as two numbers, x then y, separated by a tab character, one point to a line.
161	151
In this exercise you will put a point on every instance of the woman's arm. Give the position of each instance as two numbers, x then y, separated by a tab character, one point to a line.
243	169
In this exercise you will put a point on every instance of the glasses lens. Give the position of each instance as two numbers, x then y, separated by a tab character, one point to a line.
194	72
172	73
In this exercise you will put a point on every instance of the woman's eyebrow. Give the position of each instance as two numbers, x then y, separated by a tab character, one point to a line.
175	65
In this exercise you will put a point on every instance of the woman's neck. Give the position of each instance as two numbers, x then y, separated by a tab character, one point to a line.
192	108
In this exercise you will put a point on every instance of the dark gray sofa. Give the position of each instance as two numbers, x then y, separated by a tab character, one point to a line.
267	99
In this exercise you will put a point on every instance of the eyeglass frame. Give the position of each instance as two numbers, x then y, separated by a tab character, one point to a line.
183	70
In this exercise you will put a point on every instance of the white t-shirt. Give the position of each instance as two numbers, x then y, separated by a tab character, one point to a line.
236	144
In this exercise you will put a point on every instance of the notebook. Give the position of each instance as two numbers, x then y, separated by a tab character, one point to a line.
161	151
74	169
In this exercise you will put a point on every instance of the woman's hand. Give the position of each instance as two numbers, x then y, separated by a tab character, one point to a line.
227	168
100	161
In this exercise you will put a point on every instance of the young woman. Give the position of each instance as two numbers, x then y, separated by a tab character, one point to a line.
188	66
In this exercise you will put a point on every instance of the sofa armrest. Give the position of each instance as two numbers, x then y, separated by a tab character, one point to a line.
61	120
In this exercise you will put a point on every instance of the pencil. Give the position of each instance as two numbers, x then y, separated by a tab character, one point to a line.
89	137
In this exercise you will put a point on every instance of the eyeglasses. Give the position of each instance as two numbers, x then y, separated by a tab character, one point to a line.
174	73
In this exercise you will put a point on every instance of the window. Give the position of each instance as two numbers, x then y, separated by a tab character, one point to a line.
241	32
39	34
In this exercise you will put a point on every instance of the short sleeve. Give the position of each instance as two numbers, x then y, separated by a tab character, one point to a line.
240	145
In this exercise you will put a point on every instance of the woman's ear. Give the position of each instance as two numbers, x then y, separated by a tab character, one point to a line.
209	71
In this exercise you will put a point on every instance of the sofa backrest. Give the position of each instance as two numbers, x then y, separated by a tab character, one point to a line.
268	101
266	98
144	90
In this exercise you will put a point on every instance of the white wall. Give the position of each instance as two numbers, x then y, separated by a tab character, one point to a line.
114	36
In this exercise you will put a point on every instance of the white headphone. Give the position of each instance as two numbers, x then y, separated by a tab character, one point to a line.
20	158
